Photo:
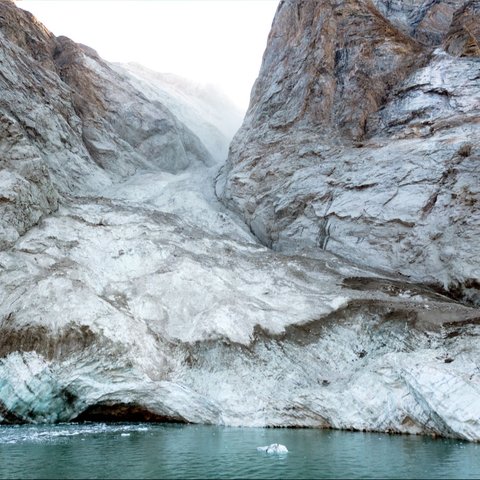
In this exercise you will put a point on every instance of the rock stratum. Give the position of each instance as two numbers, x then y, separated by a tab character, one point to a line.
128	291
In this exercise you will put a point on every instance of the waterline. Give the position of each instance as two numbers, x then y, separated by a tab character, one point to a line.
190	451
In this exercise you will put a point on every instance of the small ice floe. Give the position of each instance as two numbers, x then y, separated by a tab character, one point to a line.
124	434
273	448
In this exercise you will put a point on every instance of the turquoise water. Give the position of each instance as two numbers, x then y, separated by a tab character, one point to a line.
190	451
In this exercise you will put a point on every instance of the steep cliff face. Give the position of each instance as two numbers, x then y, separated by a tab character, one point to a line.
122	130
362	138
128	291
35	109
71	124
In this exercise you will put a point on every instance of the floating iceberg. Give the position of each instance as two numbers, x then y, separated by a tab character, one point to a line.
273	448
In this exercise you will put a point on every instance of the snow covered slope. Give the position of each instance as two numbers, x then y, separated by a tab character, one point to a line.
207	112
128	291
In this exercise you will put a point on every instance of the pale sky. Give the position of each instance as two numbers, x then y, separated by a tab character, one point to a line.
209	41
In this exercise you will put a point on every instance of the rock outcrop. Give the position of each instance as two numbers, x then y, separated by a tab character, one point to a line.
71	124
123	130
129	292
362	138
426	21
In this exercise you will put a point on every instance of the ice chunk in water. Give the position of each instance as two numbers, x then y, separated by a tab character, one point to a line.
273	448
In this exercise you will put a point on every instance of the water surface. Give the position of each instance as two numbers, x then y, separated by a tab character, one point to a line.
190	451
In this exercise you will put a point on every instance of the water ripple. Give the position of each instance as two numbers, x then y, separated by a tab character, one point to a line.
190	451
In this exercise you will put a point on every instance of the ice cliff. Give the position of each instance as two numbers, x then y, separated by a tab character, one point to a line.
346	300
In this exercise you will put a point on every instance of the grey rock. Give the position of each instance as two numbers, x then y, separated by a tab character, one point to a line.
122	130
425	20
362	139
70	124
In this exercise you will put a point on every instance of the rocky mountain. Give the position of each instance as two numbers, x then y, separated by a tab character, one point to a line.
362	138
128	291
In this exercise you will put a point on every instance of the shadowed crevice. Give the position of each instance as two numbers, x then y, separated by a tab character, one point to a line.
123	412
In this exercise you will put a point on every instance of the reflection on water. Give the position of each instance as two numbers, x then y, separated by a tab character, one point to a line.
190	451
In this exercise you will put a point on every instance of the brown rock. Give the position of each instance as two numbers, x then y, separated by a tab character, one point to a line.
463	37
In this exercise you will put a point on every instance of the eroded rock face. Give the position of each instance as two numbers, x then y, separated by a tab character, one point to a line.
122	130
129	292
69	123
38	126
426	21
362	138
464	34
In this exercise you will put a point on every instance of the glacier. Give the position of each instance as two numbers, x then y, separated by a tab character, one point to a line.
130	291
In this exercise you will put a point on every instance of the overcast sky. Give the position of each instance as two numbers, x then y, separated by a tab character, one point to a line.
209	41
